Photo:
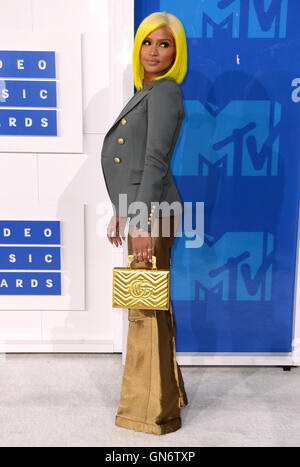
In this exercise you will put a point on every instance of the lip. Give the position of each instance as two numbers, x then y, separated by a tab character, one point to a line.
152	62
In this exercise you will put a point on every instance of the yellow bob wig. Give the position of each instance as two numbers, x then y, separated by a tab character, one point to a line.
149	24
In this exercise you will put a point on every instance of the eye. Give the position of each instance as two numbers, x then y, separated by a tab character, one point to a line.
166	44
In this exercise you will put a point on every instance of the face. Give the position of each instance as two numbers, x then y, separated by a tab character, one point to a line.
158	52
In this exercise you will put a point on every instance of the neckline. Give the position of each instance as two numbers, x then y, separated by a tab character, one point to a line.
153	82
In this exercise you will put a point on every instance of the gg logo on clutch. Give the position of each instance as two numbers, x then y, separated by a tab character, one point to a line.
140	289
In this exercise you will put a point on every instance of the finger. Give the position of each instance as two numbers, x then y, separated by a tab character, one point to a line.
121	232
140	256
119	241
145	255
150	255
114	240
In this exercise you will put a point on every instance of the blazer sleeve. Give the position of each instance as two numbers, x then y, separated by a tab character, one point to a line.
165	111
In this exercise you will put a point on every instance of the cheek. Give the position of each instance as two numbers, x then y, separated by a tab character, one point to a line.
142	53
168	55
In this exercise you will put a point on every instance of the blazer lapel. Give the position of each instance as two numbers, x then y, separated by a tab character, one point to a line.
138	96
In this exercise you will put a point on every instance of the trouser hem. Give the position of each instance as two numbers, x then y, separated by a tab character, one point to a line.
183	400
168	427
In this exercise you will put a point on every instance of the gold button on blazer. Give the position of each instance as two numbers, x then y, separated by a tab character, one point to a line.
149	125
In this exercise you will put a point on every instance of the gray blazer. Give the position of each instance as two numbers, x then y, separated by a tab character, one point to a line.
137	151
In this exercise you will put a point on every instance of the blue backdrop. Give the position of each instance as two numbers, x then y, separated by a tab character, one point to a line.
238	152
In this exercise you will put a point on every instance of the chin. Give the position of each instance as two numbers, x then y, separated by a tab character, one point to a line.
153	70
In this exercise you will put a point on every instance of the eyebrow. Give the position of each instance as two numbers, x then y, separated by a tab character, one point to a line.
160	39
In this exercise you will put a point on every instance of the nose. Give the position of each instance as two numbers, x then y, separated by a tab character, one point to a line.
153	50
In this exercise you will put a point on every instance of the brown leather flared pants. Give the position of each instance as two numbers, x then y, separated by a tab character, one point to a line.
152	386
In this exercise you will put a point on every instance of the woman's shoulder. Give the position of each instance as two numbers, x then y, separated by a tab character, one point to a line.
167	83
167	91
168	87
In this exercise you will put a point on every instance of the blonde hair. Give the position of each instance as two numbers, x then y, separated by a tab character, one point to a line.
153	21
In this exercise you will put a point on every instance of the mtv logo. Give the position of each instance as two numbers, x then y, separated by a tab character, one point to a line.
210	18
237	266
241	139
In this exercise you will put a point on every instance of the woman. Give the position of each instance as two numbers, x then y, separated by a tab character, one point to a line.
136	158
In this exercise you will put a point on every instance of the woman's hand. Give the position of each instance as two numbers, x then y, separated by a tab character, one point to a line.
141	245
141	239
115	230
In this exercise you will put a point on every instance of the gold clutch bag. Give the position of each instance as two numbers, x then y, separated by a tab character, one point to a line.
141	288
